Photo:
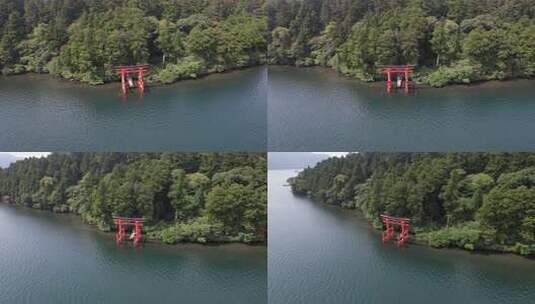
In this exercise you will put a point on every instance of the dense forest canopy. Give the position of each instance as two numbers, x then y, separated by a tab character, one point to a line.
468	200
84	39
451	41
199	197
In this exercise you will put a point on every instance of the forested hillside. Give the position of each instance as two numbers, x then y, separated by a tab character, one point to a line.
197	197
450	41
467	200
84	39
454	41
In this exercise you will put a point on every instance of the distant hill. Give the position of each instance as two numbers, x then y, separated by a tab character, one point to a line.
294	160
6	159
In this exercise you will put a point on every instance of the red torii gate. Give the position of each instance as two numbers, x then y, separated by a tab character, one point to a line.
390	222
122	223
405	70
125	71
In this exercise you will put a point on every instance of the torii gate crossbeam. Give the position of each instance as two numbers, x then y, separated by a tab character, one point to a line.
389	223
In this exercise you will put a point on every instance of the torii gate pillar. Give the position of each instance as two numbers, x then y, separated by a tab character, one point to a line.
126	71
122	223
405	70
389	223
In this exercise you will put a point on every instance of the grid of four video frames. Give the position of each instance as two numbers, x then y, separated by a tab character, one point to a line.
267	151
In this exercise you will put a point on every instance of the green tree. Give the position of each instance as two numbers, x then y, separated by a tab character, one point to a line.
280	46
203	43
526	50
170	40
445	41
487	48
229	204
177	191
36	51
11	36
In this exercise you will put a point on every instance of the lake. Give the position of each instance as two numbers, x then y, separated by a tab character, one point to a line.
223	112
325	254
315	109
57	259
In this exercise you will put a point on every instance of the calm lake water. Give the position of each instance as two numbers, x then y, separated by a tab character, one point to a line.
314	109
324	254
48	258
219	112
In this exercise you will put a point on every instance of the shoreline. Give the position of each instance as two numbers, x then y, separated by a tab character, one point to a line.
413	238
148	84
483	84
475	83
146	239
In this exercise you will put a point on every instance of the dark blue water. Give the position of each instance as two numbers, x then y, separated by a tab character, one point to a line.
224	112
314	109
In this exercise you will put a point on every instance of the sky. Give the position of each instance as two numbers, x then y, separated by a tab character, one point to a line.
29	154
40	154
337	154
